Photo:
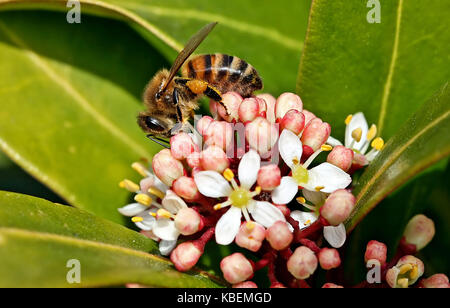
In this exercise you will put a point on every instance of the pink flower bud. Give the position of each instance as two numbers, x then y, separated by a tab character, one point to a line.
293	120
185	256
232	101
262	107
214	158
359	161
316	133
250	236
181	145
188	221
419	231
329	258
302	263
285	102
146	183
277	285
202	124
219	133
279	236
338	207
405	273
193	159
330	285
236	268
341	157
213	109
261	135
308	116
185	188
166	167
245	285
436	281
249	109
376	251
270	106
269	177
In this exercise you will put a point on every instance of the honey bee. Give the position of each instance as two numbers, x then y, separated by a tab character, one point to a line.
171	100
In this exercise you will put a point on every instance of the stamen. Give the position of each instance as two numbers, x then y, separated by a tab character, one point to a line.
326	147
403	282
378	143
301	200
140	168
348	119
137	219
295	161
319	188
219	206
312	157
246	215
164	213
250	225
308	222
414	273
153	214
129	185
155	191
257	191
143	199
405	268
372	132
357	134
228	174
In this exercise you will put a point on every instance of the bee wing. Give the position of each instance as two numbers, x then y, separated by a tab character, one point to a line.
190	47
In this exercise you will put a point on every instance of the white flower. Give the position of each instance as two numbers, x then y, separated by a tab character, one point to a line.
239	198
358	137
324	177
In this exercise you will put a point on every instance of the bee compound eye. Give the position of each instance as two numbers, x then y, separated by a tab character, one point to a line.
154	124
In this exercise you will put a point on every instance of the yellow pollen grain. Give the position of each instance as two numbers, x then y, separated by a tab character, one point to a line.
156	192
348	119
129	185
143	199
372	132
403	282
326	147
357	134
404	268
301	200
137	219
139	168
378	143
319	188
228	174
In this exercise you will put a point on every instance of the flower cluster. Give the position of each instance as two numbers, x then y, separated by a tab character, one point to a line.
265	174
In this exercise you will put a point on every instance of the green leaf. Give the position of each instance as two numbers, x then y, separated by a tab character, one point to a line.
422	141
69	104
267	34
387	70
38	238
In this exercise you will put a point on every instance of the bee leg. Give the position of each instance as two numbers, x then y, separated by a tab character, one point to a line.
160	141
177	105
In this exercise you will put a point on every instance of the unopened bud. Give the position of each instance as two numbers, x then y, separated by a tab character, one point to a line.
269	177
236	268
376	251
202	124
185	256
341	157
330	285
302	263
338	207
270	106
181	145
405	273
186	188
308	116
293	120
219	133
279	236
285	102
232	101
214	158
166	167
188	221
193	159
249	109
245	285
146	183
250	236
329	258
419	231
316	133
261	135
437	281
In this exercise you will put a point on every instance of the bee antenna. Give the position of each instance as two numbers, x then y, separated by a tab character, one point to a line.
162	142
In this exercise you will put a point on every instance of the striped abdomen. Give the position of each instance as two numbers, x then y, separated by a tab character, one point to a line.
226	73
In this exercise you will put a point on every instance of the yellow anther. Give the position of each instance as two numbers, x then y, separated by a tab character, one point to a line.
405	268
218	206
307	222
156	192
153	214
250	225
164	213
137	219
377	143
140	168
129	185
403	282
326	147
357	134
348	119
143	199
414	273
372	132
257	190
295	161
319	188
228	174
301	200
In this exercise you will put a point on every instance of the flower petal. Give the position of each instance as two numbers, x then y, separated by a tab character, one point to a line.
172	202
327	176
228	226
315	197
358	121
148	222
166	247
304	218
132	209
290	147
160	185
333	141
335	236
266	214
285	192
165	229
212	184
248	169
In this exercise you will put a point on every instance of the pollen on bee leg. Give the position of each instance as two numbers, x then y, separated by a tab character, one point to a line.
197	86
143	199
129	185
